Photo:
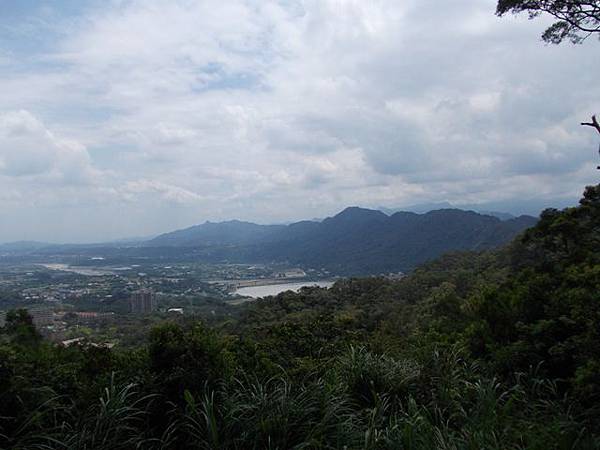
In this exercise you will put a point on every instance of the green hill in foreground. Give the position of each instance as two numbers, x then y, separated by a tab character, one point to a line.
492	350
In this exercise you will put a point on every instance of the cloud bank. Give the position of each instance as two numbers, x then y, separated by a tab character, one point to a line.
135	117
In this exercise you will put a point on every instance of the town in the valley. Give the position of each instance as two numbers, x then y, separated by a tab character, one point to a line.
108	305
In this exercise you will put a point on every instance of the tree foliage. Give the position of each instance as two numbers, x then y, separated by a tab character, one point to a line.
575	19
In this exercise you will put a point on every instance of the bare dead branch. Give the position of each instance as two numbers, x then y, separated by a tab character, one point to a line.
594	123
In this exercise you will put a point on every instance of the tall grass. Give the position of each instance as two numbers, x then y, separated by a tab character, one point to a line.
364	401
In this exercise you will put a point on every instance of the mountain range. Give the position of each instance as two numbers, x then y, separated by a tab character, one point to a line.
426	207
355	241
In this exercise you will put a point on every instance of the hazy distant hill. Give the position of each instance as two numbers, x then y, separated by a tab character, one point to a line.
420	208
427	207
233	232
21	246
355	241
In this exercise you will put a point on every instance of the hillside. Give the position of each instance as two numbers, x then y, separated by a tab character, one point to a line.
233	232
491	350
355	241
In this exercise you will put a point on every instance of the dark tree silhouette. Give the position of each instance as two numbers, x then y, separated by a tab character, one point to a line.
594	123
576	19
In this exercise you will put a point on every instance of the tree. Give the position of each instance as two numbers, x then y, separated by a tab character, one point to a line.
576	19
187	359
20	327
594	123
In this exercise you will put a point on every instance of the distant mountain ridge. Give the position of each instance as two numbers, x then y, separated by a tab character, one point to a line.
355	241
232	232
427	207
23	246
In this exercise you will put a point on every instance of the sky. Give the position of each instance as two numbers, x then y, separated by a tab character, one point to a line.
122	118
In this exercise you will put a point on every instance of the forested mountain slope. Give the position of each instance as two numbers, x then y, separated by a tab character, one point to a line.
355	241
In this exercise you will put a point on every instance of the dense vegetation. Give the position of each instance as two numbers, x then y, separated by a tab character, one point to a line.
493	350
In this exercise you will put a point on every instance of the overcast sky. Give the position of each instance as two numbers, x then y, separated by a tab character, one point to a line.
129	118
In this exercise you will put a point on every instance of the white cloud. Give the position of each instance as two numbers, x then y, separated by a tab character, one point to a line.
272	111
166	191
29	149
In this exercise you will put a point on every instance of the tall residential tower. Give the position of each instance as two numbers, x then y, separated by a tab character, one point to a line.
142	301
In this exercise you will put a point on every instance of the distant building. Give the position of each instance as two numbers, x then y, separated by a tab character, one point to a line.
41	316
70	342
85	341
292	273
394	276
142	301
90	316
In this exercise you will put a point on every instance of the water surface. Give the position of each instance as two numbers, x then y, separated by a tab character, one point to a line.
274	289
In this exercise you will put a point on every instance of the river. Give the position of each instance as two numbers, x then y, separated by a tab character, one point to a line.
87	271
274	289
